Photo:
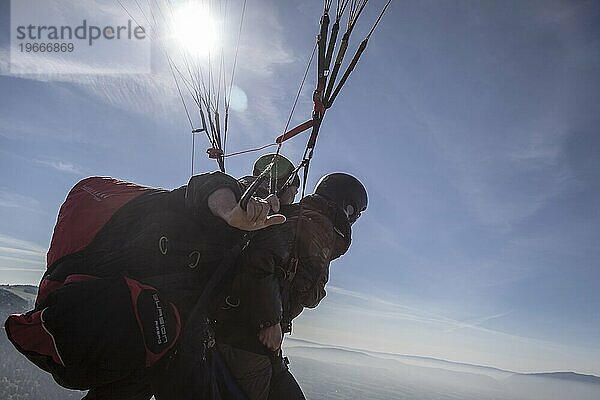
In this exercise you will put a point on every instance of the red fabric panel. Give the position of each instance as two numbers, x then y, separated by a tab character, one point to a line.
135	288
46	287
88	207
29	334
79	278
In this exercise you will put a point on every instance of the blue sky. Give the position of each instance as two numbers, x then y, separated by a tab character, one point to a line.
472	124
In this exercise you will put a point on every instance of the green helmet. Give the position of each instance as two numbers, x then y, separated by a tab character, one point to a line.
280	171
282	167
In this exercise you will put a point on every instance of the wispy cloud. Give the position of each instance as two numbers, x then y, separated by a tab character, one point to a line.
15	200
503	187
18	255
62	166
385	309
45	68
503	184
264	58
4	60
263	51
477	322
381	309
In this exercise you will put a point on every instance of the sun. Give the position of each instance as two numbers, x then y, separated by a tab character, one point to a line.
194	29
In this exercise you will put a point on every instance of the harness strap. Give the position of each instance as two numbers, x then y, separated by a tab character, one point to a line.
199	312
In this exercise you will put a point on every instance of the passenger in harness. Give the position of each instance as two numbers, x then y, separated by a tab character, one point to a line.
281	270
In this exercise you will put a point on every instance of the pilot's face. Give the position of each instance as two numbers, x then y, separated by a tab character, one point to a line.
288	196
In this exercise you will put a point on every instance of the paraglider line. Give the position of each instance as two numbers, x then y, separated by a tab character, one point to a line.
237	153
300	88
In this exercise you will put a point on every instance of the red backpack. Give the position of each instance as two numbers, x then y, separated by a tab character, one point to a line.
89	330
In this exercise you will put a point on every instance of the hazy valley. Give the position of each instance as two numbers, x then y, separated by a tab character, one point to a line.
326	372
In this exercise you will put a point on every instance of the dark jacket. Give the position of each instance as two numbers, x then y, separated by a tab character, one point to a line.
283	269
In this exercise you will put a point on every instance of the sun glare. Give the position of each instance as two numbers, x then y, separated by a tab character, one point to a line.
194	29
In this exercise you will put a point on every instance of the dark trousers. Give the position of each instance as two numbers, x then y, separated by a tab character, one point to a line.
283	384
261	377
252	372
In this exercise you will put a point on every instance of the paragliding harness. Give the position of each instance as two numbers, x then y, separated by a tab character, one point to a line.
195	369
91	331
88	330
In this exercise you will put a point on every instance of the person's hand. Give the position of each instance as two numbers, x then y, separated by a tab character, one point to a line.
256	215
271	337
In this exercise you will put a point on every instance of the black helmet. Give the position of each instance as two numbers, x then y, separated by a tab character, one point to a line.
346	191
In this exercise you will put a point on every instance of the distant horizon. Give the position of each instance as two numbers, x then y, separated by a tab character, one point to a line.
367	351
